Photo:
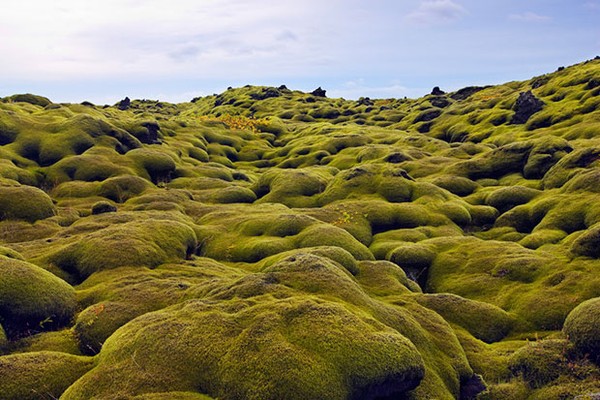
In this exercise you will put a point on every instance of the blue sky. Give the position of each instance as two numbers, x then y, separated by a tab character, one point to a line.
102	51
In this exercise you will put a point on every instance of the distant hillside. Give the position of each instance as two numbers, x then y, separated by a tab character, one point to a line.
266	243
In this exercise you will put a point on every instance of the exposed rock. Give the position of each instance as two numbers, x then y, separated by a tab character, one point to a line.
266	93
427	115
592	84
440	102
318	92
365	101
464	93
437	91
102	207
124	104
150	136
527	105
472	387
539	81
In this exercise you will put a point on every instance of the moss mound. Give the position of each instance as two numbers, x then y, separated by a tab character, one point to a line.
32	299
26	203
582	328
484	321
133	243
271	243
295	343
40	375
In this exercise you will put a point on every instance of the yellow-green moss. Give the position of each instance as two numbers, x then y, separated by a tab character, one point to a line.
25	203
582	328
40	375
32	299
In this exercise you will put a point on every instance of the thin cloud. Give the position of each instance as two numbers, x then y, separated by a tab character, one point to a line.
432	12
592	5
360	88
529	17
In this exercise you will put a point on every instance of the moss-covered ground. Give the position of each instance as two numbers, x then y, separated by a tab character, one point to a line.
266	243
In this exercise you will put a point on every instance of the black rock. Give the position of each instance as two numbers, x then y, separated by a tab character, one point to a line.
470	388
151	134
539	81
266	93
527	105
437	91
102	207
365	101
318	92
124	104
440	102
465	92
428	115
592	84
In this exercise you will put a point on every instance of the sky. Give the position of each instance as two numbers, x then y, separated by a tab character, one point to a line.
102	51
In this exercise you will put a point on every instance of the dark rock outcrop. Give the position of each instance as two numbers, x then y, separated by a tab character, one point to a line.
150	135
102	207
266	93
527	105
318	92
464	93
124	104
472	387
437	91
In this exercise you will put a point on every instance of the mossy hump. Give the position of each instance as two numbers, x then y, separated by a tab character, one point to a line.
295	343
25	203
32	299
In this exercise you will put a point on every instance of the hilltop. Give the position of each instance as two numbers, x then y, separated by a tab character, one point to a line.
270	243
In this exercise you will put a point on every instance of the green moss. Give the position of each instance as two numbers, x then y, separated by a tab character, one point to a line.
173	396
96	323
383	278
158	165
295	344
506	198
32	299
588	244
540	363
581	327
484	321
63	341
26	203
30	98
40	375
121	188
414	258
135	243
3	339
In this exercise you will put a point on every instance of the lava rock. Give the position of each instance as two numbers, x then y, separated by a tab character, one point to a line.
318	92
150	136
527	105
124	104
466	92
437	91
102	207
266	93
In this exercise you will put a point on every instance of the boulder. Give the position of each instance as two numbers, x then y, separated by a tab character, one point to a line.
527	105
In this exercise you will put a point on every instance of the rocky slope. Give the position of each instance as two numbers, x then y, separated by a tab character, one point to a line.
267	243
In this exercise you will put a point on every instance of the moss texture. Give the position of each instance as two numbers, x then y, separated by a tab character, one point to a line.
269	243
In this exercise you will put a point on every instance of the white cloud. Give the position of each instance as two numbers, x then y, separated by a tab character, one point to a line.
529	17
592	5
360	88
433	12
69	38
